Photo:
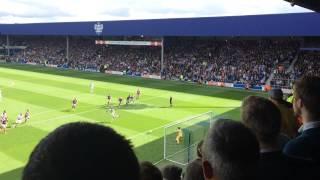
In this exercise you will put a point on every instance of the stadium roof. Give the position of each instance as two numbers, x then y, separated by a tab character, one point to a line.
309	4
296	24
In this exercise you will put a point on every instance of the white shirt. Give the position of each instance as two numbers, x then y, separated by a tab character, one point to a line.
19	118
309	125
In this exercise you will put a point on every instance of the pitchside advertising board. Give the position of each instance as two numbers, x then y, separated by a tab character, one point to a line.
129	43
144	75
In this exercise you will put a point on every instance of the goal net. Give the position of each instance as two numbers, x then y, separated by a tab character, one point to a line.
194	130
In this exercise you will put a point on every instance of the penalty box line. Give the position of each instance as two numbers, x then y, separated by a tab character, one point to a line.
166	125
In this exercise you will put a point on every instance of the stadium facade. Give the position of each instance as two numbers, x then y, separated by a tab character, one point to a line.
296	24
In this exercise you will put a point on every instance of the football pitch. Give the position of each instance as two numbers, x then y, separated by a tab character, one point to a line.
48	93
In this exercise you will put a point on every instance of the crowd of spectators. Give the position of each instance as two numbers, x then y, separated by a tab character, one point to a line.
257	147
133	59
307	64
3	41
84	54
38	50
247	61
282	79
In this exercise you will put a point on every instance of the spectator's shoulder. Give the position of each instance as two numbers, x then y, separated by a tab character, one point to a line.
305	146
295	147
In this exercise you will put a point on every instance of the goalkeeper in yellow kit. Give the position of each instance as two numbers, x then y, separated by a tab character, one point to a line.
179	135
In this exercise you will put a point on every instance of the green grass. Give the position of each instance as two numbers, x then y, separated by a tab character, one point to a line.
48	93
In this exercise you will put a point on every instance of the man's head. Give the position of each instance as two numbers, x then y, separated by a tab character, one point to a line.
276	94
306	95
82	151
172	172
194	171
230	152
148	171
263	117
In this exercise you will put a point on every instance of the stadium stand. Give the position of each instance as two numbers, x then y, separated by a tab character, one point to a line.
231	150
201	54
232	61
244	61
38	49
307	64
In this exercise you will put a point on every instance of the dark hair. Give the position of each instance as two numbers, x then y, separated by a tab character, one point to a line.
232	150
172	172
148	171
263	117
194	171
276	94
308	90
82	151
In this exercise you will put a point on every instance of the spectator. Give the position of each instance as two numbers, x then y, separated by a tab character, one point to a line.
288	122
148	171
172	172
304	150
194	168
264	119
230	152
82	151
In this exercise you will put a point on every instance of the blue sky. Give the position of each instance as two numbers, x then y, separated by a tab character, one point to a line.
29	11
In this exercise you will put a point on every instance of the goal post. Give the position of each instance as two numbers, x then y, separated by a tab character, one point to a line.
194	130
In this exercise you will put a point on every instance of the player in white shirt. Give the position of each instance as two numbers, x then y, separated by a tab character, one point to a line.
91	87
114	114
19	120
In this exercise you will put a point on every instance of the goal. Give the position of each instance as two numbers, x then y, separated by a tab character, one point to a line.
194	130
